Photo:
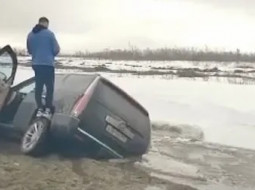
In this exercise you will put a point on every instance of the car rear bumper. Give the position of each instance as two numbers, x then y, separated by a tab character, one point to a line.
65	127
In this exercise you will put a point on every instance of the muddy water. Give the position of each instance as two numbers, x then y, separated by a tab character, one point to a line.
190	161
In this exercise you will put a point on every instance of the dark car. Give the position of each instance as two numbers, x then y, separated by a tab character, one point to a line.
90	111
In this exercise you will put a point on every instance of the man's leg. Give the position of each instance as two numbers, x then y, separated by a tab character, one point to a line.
49	82
39	83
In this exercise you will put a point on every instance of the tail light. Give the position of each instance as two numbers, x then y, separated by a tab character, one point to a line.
83	101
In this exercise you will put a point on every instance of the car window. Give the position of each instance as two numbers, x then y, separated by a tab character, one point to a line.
28	88
6	65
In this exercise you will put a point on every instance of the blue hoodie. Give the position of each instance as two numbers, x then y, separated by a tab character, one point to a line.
43	46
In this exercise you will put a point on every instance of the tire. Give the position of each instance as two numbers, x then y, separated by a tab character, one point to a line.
60	132
34	140
63	127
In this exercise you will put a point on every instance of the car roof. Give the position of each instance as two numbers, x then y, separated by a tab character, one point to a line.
68	87
73	82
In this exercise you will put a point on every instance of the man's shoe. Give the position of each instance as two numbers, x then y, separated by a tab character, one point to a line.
39	112
47	113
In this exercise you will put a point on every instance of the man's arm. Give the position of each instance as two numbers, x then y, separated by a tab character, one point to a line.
56	47
28	44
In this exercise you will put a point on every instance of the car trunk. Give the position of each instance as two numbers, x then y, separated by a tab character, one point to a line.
116	120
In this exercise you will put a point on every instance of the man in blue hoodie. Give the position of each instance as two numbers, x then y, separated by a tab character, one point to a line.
43	46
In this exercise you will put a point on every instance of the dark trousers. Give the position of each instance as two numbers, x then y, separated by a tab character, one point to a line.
44	75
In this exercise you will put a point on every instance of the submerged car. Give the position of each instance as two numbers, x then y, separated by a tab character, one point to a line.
90	111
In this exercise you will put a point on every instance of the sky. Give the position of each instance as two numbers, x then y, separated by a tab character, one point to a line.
93	25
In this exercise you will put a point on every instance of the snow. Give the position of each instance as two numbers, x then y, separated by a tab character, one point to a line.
148	65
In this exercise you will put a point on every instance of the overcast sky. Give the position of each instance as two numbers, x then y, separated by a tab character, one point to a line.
98	24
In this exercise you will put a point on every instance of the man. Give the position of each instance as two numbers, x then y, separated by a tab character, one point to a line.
43	46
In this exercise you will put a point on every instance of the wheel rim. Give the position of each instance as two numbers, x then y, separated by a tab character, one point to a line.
32	136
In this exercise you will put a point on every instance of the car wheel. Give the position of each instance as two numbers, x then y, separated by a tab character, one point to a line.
63	127
33	141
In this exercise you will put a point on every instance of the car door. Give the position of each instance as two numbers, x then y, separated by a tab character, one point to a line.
8	68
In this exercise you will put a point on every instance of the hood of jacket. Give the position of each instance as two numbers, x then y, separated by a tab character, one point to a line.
38	28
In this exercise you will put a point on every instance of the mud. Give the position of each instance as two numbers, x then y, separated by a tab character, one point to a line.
19	172
178	160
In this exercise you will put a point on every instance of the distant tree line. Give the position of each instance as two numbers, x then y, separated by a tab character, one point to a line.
163	54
